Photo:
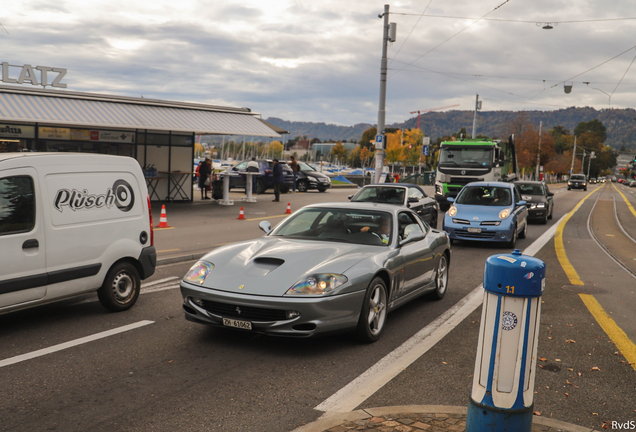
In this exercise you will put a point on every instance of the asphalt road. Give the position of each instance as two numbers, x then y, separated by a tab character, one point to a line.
170	374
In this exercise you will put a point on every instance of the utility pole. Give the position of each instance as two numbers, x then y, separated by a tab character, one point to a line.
386	38
477	107
539	152
583	162
589	163
573	153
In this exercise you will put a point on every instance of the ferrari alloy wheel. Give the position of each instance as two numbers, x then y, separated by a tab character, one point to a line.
121	287
373	313
441	278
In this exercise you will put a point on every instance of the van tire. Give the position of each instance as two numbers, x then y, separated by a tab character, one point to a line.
121	287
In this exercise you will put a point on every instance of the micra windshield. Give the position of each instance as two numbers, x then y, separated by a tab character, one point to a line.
469	157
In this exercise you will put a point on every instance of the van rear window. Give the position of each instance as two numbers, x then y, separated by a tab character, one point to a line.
17	205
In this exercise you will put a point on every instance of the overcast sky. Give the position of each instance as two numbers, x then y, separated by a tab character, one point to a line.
319	60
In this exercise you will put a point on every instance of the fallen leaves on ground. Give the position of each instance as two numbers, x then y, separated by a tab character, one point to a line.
573	385
595	369
537	413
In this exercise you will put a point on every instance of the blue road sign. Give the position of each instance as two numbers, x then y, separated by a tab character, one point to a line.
425	150
379	139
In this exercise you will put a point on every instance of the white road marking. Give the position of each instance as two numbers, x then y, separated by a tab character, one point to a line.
144	285
159	288
70	344
364	386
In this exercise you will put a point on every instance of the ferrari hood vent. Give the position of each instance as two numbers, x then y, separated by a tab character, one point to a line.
268	264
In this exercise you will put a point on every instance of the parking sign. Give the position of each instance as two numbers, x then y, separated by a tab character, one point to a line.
425	150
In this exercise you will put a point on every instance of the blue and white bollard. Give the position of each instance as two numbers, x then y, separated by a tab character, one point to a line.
503	383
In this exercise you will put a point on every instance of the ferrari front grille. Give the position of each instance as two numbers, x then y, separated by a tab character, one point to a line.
248	313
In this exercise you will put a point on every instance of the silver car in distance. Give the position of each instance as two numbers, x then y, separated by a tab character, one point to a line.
328	268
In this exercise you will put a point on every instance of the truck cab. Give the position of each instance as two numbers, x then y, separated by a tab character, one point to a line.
471	160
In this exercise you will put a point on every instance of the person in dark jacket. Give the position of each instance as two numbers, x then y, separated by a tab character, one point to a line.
277	178
205	169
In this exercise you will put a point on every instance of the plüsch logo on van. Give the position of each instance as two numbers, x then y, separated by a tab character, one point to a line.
120	195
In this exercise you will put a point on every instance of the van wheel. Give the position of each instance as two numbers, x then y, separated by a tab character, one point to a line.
121	287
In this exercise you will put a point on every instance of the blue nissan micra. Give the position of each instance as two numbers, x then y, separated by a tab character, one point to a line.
487	211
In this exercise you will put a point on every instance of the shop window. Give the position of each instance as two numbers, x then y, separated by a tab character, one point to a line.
181	140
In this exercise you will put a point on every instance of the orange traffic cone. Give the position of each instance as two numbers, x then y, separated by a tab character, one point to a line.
288	208
241	215
163	220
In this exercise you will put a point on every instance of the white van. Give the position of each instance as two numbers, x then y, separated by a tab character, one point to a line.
72	223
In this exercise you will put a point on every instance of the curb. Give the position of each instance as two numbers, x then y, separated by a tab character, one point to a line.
331	420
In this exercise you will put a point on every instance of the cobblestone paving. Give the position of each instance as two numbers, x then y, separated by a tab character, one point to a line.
416	423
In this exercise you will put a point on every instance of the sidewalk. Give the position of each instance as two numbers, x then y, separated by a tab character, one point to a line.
415	418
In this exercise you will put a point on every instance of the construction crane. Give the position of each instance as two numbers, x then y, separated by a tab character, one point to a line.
428	110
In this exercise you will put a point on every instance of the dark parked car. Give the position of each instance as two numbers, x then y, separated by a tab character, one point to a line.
263	181
538	199
308	178
404	194
577	181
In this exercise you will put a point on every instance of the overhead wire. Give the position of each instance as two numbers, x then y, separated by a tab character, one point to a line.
414	25
456	34
519	21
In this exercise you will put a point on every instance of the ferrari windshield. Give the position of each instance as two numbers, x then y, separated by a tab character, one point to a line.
465	157
380	194
485	195
340	225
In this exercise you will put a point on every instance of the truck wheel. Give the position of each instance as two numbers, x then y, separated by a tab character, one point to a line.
302	186
121	287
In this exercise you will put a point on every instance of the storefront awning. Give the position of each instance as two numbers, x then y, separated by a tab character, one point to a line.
93	110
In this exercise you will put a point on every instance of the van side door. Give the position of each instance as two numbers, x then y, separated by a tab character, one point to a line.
23	276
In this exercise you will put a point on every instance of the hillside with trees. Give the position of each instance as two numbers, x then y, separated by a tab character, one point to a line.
620	124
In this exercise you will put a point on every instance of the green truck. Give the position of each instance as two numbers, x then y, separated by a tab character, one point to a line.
470	160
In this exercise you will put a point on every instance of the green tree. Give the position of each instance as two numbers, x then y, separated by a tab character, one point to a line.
594	126
339	152
368	137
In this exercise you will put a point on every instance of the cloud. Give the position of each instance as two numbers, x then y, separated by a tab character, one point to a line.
320	61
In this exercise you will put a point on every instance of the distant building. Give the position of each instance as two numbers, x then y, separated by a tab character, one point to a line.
301	148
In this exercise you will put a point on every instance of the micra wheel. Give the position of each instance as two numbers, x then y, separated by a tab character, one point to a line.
373	313
121	287
302	186
441	278
511	244
523	234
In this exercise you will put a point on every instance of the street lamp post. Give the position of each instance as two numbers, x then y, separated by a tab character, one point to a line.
589	163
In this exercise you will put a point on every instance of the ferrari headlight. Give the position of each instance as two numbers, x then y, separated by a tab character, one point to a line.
452	211
317	284
198	272
504	213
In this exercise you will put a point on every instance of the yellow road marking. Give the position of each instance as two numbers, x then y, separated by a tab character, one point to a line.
560	249
268	217
616	334
609	326
159	229
168	250
626	201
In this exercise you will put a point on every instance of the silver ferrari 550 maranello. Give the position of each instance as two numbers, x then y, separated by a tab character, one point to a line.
329	267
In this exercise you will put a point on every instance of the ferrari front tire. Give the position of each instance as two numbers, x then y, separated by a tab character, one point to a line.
441	278
373	314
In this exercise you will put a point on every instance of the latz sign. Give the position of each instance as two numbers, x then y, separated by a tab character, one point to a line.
28	74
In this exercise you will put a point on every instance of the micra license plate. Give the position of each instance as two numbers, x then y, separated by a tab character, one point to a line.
245	325
474	230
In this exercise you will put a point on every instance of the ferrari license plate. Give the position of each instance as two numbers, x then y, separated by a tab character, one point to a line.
474	230
245	325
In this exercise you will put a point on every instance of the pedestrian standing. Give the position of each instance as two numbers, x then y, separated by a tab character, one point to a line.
205	179
294	168
277	178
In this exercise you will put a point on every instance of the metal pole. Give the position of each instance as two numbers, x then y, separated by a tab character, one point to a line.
583	161
475	115
539	152
573	153
379	157
589	163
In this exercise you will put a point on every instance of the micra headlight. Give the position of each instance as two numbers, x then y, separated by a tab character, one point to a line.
318	284
504	213
452	211
198	272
